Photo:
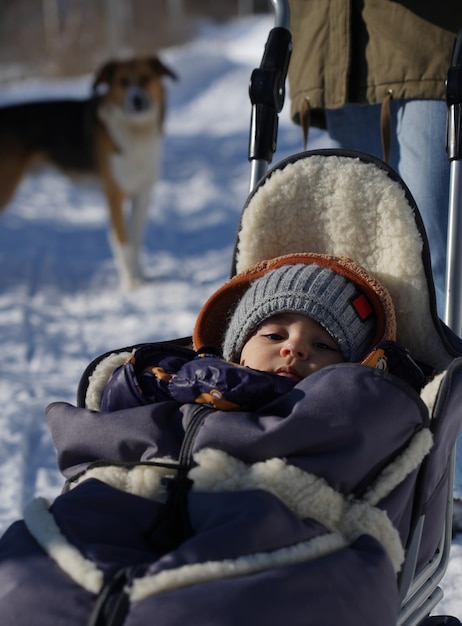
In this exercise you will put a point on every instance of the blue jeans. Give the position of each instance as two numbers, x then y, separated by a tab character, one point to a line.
458	470
418	154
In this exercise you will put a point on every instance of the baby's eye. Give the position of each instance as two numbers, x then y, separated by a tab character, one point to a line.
320	345
273	336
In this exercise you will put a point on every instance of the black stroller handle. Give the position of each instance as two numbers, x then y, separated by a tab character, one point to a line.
454	102
267	92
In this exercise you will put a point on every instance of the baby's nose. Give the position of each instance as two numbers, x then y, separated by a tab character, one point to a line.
296	348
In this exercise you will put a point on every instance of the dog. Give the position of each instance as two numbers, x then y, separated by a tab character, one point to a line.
115	135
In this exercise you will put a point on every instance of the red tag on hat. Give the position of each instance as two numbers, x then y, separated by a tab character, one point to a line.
362	307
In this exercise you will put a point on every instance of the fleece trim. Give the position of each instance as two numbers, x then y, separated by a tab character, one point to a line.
100	377
403	465
308	495
430	392
305	494
42	526
142	480
344	206
168	580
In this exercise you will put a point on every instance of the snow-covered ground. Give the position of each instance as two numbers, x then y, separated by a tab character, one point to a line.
60	303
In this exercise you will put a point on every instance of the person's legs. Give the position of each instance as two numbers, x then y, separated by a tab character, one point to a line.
355	127
458	472
457	513
419	155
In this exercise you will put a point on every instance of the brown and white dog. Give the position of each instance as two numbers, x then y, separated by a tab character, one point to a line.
116	135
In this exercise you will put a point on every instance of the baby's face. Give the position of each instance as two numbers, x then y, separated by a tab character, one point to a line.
292	345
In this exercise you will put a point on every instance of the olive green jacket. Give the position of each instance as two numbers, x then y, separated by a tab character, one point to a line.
366	50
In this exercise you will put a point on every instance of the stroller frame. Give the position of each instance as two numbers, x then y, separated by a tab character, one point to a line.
420	593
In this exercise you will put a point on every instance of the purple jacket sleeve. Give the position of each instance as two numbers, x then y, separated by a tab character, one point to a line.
151	375
144	377
226	386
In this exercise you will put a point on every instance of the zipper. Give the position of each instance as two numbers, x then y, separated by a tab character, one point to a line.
112	603
173	525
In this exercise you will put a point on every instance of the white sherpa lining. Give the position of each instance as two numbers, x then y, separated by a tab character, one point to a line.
305	494
403	465
308	495
231	568
140	480
341	205
42	526
430	391
101	374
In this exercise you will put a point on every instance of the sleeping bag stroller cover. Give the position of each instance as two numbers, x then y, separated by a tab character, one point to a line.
296	510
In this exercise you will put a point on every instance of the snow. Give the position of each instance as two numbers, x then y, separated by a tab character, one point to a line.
60	302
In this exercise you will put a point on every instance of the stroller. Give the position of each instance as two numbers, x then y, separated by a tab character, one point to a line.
280	534
382	229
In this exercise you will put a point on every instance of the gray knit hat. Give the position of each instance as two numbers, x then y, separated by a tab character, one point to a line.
352	311
318	292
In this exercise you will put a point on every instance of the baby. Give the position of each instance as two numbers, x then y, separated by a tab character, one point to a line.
266	330
298	318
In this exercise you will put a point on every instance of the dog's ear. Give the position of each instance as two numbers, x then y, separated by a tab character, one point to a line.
159	68
104	75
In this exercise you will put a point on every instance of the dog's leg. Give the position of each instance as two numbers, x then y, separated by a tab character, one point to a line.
122	248
125	261
138	219
14	166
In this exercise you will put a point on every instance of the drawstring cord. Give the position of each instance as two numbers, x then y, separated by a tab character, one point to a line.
305	120
385	126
